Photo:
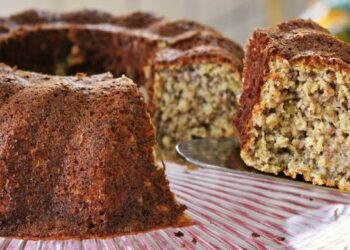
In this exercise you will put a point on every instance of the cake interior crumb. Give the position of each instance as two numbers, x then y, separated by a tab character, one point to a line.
302	124
195	101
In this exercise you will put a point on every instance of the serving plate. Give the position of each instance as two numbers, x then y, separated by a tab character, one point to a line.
232	210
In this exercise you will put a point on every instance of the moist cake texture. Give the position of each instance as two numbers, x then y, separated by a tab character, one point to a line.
179	64
77	158
294	110
195	100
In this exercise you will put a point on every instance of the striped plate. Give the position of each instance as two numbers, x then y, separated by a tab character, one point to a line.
235	211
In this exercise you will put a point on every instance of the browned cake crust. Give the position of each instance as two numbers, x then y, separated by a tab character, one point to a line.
293	40
77	158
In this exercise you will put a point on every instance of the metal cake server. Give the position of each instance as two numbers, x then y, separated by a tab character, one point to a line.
211	153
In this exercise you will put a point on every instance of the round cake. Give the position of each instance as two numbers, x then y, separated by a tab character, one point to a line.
190	73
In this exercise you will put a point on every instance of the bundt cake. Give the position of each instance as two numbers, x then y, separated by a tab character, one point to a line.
294	112
190	72
77	158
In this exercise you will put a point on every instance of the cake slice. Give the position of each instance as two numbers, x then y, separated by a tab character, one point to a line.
294	112
77	158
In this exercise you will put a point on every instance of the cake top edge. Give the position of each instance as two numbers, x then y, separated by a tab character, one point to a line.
297	37
181	34
77	82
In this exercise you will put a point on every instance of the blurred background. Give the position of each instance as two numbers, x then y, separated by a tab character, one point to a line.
234	18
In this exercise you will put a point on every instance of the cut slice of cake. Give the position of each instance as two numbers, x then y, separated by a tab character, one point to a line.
77	158
294	112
